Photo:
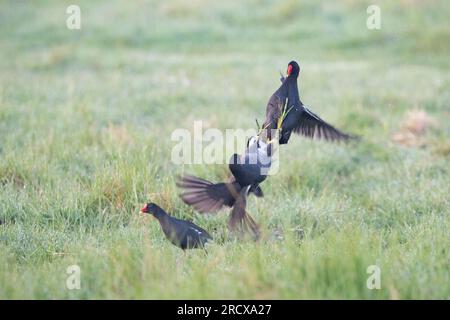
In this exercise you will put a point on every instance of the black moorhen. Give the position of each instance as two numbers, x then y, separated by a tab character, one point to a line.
182	233
297	117
248	171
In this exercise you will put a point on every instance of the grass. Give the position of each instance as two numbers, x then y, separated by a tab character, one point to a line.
85	124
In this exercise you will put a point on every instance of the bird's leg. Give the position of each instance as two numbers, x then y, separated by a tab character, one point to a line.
269	149
270	143
268	138
282	77
258	127
269	134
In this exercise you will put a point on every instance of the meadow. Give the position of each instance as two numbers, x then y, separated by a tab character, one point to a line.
86	118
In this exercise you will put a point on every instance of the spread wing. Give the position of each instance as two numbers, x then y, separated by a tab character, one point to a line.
206	196
312	126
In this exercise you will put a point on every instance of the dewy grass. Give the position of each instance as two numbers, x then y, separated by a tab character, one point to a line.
86	118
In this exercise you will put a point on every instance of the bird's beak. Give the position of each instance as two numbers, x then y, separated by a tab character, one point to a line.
144	209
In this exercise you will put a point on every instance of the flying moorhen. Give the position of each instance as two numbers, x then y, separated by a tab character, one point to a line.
297	117
182	233
248	171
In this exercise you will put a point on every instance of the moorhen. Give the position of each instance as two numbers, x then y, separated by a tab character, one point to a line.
248	171
181	233
297	117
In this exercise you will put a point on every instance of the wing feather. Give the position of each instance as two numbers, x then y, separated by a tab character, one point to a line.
312	126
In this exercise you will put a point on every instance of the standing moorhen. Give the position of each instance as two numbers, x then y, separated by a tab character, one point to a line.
296	116
182	233
248	171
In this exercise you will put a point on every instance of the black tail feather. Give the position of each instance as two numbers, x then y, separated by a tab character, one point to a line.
240	221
